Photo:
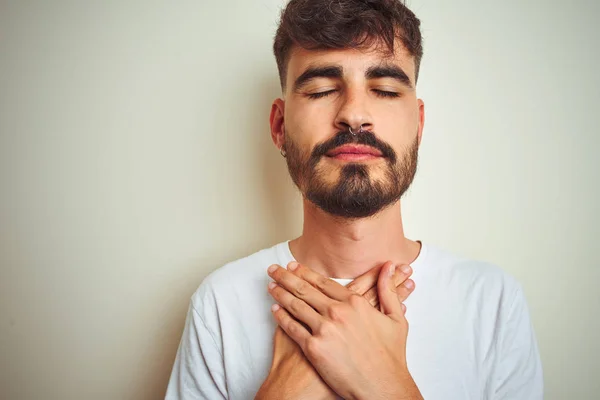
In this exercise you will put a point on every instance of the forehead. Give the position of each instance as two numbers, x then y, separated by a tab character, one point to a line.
352	60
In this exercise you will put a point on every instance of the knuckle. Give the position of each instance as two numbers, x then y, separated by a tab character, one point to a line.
292	327
302	289
283	315
296	306
356	301
322	283
284	320
326	328
313	349
336	312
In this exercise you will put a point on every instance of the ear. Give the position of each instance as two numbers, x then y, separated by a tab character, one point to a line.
277	123
421	106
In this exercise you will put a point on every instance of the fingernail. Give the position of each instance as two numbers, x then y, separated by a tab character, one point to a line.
275	307
405	269
392	270
293	266
272	268
409	284
272	285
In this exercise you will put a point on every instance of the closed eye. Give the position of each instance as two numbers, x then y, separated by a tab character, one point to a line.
380	93
318	95
383	93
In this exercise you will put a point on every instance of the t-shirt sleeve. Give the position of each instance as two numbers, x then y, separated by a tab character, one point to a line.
198	372
518	374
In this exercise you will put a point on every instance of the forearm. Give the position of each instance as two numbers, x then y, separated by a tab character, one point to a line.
403	388
304	384
276	392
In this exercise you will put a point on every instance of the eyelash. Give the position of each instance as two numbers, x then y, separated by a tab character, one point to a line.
380	93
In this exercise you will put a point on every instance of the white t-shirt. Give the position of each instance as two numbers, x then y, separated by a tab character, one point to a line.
470	336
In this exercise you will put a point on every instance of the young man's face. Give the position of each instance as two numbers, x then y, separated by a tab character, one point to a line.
329	91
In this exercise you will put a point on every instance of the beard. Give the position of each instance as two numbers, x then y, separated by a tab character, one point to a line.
355	194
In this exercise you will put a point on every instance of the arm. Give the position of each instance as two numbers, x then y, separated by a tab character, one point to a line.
198	372
518	374
291	375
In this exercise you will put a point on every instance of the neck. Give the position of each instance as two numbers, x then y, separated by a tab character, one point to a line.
341	248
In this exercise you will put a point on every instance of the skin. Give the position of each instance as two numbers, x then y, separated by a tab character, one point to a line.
358	351
346	248
291	375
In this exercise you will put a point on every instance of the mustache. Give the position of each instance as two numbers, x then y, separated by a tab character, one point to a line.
366	138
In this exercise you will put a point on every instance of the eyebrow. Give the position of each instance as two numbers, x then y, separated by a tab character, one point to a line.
389	71
311	73
335	71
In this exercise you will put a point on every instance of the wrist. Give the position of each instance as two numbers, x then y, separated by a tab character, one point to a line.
403	387
294	381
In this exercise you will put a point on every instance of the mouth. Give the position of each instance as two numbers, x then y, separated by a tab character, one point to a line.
353	152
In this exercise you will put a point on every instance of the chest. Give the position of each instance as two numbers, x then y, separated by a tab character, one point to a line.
450	349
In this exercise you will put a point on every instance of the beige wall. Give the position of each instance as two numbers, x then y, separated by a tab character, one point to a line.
135	158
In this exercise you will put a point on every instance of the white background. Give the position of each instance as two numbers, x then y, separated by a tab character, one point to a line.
135	158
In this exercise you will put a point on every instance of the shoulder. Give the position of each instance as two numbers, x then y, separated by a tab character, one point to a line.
235	278
475	276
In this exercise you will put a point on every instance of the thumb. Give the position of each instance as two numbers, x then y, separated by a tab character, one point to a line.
388	299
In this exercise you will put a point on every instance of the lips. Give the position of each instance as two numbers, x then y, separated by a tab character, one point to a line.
354	149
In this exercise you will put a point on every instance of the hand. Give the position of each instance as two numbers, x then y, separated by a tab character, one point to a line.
291	375
366	284
358	351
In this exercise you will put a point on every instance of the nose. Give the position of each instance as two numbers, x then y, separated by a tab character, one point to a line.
353	113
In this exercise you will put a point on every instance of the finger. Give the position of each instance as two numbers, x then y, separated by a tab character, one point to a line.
404	285
329	287
400	280
388	298
300	288
401	291
405	289
403	272
366	281
293	328
295	306
403	309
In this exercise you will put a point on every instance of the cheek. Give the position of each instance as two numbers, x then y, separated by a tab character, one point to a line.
308	126
398	127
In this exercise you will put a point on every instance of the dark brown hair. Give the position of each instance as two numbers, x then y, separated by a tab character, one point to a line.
341	24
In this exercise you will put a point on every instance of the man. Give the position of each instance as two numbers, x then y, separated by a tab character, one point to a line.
349	126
